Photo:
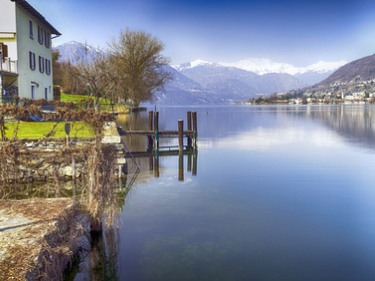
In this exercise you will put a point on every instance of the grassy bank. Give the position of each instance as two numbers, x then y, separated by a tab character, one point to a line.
37	130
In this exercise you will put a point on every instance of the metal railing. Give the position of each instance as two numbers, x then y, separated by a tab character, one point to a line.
8	65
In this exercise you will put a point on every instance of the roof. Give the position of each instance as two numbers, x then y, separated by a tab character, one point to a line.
24	4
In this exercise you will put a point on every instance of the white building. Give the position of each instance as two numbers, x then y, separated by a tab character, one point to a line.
26	51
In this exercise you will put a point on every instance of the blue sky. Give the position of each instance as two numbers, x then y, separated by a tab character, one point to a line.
291	31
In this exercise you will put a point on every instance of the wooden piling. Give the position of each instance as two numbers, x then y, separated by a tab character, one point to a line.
156	130
151	120
181	135
195	128
189	128
151	128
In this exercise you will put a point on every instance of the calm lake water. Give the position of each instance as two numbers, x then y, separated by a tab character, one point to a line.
280	193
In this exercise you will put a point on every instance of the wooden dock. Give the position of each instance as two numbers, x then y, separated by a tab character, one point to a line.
154	150
153	134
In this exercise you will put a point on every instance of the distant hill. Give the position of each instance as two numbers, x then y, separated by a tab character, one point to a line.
359	70
354	77
182	90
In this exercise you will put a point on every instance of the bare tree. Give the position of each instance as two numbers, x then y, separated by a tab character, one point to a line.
98	77
65	75
138	66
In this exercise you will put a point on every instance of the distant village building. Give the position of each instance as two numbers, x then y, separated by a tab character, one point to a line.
26	52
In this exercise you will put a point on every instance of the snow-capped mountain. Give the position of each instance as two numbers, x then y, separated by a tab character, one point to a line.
322	67
76	52
193	64
235	83
263	66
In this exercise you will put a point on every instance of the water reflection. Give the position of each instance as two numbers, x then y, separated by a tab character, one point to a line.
281	195
274	190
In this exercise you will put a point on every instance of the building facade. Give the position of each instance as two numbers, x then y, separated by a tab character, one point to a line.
26	52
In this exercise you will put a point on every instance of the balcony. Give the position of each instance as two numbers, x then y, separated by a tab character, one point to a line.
9	67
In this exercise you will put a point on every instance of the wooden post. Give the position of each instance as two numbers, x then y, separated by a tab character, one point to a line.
181	166
181	135
189	127
195	128
156	130
150	127
156	146
151	120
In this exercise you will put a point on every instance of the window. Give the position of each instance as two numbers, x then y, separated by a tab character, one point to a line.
32	60
41	64
46	93
48	67
40	35
31	29
33	91
47	39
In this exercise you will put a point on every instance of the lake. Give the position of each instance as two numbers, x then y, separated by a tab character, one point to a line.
279	193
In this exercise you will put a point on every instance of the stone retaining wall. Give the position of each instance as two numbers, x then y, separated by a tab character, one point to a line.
53	159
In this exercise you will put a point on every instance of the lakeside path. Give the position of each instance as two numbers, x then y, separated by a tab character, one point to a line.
38	237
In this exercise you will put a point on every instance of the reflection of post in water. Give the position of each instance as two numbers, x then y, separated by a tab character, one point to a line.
189	162
156	166
191	155
192	161
181	166
151	163
195	162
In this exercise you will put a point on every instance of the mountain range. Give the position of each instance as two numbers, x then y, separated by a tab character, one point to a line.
200	81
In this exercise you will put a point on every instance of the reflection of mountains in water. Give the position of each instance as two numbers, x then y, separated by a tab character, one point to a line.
355	123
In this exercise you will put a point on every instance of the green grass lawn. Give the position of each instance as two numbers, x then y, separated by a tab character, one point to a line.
105	104
73	98
37	130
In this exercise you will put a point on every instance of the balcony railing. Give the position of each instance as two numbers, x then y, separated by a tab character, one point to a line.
8	65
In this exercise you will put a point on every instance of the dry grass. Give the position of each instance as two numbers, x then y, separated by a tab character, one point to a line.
41	249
